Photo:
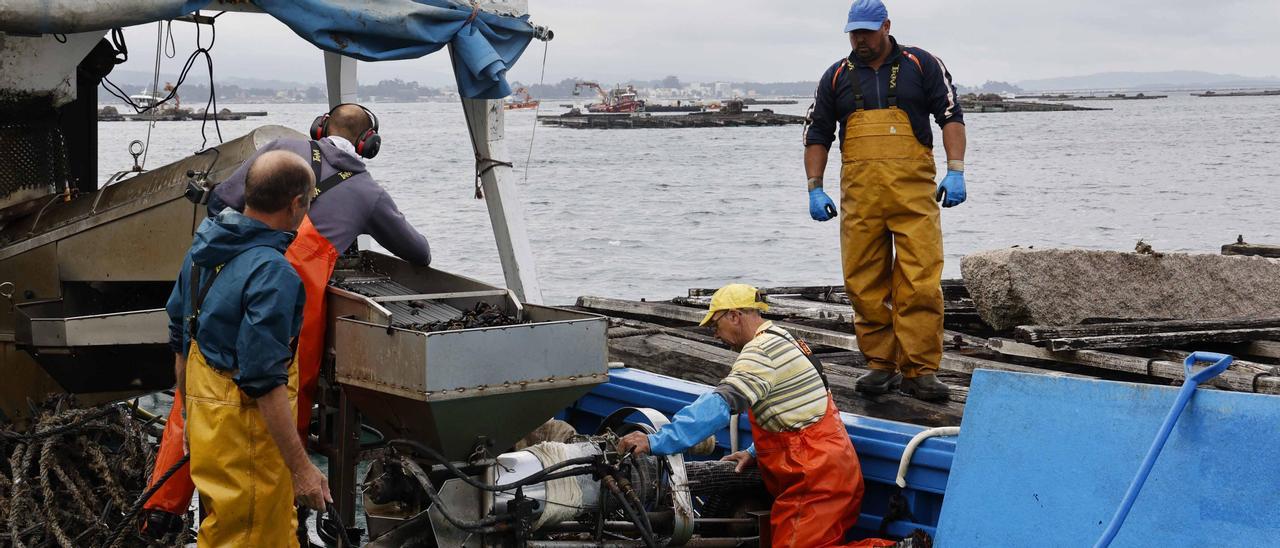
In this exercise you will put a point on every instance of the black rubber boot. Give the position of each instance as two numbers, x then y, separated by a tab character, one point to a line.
878	381
161	525
926	387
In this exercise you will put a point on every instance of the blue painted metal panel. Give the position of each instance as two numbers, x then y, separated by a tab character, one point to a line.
1044	461
879	444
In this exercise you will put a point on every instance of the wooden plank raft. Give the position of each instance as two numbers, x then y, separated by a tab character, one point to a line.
663	337
1149	333
1245	377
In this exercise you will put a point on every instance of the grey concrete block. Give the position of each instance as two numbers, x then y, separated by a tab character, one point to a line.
1018	286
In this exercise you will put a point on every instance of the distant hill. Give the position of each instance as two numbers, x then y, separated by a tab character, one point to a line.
200	75
1177	79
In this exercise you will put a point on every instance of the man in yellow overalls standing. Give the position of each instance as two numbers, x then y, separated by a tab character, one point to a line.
233	316
881	97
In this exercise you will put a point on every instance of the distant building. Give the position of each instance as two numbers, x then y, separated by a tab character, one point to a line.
723	89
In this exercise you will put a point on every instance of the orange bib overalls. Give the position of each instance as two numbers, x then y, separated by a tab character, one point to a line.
815	479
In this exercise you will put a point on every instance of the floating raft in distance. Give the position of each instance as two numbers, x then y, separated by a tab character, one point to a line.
644	120
110	114
1019	106
751	101
1261	93
695	107
1111	97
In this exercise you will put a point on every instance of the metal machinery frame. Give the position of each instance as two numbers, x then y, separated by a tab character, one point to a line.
338	438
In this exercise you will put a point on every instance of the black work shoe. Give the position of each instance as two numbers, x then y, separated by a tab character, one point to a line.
926	387
159	524
878	381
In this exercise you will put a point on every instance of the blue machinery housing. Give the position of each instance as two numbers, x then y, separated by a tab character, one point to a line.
879	444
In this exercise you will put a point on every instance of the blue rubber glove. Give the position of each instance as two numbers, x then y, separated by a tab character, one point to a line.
951	189
821	208
696	422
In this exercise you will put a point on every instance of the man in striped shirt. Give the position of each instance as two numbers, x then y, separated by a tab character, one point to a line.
800	444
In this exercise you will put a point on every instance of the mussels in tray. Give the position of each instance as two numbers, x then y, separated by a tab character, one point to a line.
482	315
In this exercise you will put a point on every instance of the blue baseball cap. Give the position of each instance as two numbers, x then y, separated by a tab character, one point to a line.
866	15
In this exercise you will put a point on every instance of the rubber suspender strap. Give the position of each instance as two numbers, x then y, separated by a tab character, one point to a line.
804	349
858	102
332	181
893	83
316	159
199	293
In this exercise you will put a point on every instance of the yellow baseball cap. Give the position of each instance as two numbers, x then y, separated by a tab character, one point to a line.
735	296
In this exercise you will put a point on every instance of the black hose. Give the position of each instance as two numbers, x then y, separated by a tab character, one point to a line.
146	495
645	533
631	495
483	525
609	479
536	477
343	541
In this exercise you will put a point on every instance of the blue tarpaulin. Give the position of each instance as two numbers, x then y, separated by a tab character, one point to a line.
485	45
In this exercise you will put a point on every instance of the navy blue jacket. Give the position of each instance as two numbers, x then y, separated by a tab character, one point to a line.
924	88
252	311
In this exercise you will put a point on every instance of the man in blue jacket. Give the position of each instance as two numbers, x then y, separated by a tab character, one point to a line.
881	97
348	202
234	315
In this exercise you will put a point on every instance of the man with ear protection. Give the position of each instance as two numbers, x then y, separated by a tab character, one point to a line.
347	203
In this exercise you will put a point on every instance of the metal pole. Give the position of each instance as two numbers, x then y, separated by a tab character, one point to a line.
340	78
506	211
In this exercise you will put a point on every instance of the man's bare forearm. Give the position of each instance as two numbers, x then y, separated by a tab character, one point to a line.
953	140
274	406
815	161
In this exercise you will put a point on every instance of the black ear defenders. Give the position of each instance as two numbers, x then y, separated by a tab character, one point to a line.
367	144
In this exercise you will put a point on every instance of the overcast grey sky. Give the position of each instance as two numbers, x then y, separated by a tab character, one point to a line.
789	40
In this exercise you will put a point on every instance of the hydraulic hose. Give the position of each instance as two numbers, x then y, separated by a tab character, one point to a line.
146	495
492	524
630	493
633	514
537	477
343	541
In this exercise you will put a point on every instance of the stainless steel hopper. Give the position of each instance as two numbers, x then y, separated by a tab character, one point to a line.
96	352
455	389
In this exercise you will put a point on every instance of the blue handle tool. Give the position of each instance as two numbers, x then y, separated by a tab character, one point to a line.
1219	363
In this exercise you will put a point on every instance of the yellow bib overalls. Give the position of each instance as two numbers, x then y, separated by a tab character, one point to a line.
891	238
245	487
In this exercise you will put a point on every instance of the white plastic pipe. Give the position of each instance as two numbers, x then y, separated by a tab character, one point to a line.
915	442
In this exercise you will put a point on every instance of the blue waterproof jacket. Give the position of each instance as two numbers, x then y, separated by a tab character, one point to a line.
252	311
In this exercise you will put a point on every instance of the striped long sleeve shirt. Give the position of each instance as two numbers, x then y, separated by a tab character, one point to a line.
775	379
